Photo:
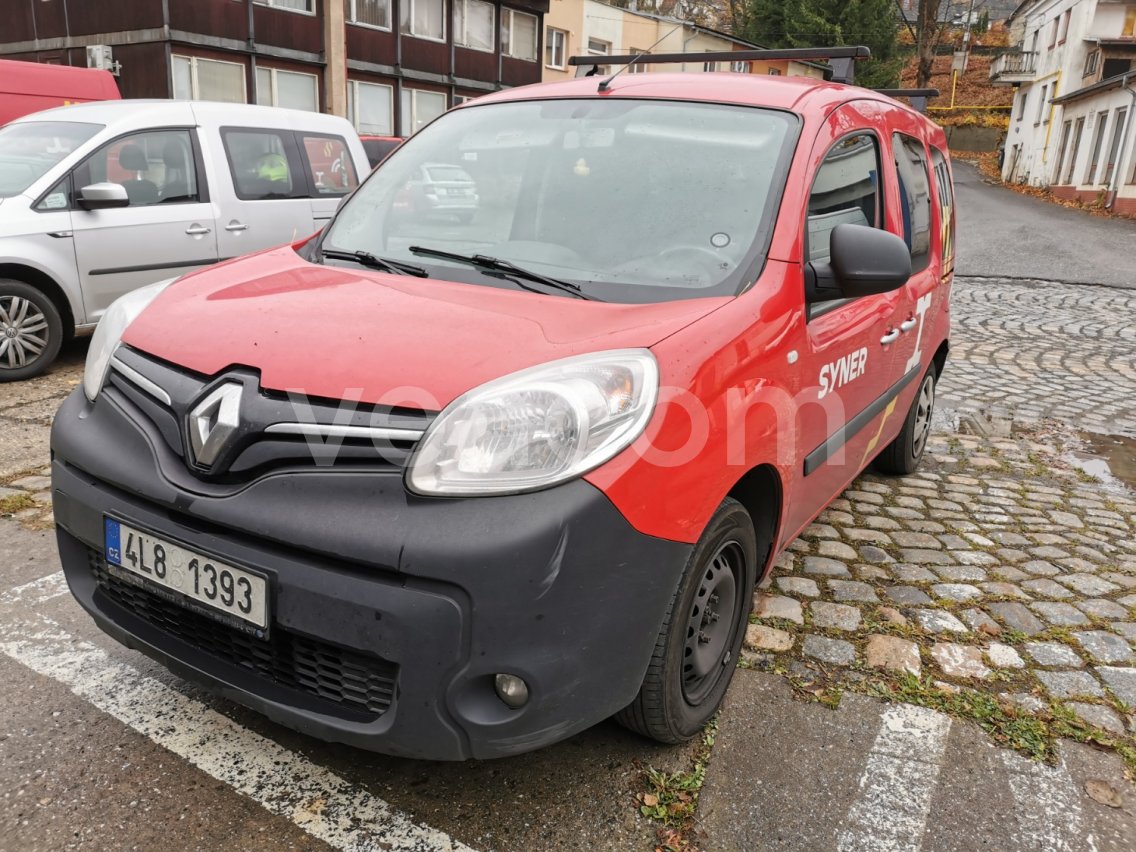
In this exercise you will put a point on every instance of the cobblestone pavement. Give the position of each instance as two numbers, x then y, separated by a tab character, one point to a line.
1001	565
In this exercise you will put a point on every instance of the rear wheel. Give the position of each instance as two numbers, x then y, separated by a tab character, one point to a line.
903	455
31	331
696	651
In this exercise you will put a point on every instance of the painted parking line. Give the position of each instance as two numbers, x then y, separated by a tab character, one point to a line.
890	813
1046	809
320	802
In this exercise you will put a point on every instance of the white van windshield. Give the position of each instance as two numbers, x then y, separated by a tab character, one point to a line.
30	148
630	200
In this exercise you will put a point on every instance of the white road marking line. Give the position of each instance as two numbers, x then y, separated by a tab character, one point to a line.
1045	806
899	778
285	783
37	591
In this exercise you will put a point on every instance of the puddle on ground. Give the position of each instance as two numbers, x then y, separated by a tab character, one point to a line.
1110	458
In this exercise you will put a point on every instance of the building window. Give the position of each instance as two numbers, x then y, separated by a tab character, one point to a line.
1118	122
473	24
423	19
208	80
1074	149
308	7
1091	62
461	99
368	13
1041	116
1063	150
1054	24
370	108
419	108
774	72
287	89
1063	33
709	66
555	48
639	67
596	47
1020	110
1098	143
741	67
518	34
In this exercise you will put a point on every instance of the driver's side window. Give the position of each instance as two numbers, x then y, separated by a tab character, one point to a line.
155	167
846	190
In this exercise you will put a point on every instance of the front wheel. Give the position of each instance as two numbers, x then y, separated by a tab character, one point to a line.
31	331
903	455
696	651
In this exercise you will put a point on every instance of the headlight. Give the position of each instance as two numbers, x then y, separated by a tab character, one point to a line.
108	334
538	427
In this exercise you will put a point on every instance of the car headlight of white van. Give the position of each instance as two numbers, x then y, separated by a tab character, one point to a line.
537	427
122	312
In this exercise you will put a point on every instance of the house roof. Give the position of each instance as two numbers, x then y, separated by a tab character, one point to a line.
1117	82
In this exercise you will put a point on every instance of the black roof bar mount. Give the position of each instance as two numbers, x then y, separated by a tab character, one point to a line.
840	59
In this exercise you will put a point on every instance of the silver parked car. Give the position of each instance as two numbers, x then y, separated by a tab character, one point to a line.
99	199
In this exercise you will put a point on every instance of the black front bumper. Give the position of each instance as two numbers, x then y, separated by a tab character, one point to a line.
391	614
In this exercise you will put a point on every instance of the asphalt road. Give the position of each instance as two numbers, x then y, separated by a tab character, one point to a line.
102	749
1004	234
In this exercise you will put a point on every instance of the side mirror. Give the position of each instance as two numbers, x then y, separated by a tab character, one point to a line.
863	261
100	196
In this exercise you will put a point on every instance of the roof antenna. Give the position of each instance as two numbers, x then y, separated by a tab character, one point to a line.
605	83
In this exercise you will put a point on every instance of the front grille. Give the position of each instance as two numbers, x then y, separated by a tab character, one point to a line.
256	451
348	679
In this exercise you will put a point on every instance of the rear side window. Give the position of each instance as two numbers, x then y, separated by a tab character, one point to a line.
946	209
263	165
914	197
329	165
846	190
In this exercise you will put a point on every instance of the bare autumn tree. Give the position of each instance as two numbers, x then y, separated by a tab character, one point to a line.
926	31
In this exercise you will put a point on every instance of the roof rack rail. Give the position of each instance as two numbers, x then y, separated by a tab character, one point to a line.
839	58
918	97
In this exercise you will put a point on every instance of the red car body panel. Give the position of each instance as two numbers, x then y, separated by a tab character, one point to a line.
750	363
342	333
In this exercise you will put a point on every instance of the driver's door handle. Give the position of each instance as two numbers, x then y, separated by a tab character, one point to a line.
907	324
197	230
891	337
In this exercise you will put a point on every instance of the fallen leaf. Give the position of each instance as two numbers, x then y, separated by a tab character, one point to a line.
650	799
1103	792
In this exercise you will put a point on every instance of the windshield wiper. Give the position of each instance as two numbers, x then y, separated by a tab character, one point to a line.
365	258
505	268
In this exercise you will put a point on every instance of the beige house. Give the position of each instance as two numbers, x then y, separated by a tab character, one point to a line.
589	27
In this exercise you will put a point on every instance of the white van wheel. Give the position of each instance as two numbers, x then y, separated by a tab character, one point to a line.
31	331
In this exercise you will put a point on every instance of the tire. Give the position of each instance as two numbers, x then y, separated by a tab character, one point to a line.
31	331
687	677
902	456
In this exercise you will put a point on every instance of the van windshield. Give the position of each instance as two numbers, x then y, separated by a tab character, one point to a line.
30	148
630	200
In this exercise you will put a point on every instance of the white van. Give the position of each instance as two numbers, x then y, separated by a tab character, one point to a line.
99	199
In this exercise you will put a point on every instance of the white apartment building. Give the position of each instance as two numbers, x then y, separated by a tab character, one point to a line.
1073	124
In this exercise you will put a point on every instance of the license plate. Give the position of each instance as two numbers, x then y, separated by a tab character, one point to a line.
201	583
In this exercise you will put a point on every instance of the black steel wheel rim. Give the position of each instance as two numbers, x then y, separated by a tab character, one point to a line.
712	623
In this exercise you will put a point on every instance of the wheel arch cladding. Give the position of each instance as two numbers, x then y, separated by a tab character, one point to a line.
42	281
761	493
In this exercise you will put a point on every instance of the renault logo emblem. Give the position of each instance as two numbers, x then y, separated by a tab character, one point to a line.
214	421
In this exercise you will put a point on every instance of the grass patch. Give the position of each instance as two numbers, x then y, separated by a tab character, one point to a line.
672	797
16	503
